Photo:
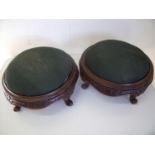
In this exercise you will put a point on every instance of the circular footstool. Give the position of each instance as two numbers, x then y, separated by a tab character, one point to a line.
39	76
116	68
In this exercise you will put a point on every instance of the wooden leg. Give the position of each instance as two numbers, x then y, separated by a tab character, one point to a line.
68	102
85	85
133	99
17	108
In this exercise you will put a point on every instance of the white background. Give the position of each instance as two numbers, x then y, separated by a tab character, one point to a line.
92	113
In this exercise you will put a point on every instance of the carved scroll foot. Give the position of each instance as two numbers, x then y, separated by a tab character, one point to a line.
85	85
68	102
17	108
133	99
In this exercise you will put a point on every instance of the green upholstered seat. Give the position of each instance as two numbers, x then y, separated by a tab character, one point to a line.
38	71
117	61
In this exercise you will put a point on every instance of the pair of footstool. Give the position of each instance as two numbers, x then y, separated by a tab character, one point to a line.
39	76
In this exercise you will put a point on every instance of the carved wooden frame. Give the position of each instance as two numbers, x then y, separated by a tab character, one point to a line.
36	102
111	88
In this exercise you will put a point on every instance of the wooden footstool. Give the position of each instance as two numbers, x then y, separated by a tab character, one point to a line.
39	76
116	68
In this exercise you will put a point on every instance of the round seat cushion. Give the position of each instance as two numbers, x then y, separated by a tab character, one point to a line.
38	71
117	61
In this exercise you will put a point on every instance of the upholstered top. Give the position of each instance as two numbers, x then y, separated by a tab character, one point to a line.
117	61
38	71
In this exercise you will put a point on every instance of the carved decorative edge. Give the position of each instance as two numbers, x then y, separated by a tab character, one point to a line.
114	89
36	102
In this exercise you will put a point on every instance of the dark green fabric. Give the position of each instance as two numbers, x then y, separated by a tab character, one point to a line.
38	71
117	61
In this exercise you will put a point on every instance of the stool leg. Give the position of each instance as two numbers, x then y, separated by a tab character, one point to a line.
17	108
68	101
85	85
133	99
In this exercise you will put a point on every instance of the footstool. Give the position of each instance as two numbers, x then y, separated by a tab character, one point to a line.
39	76
116	68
